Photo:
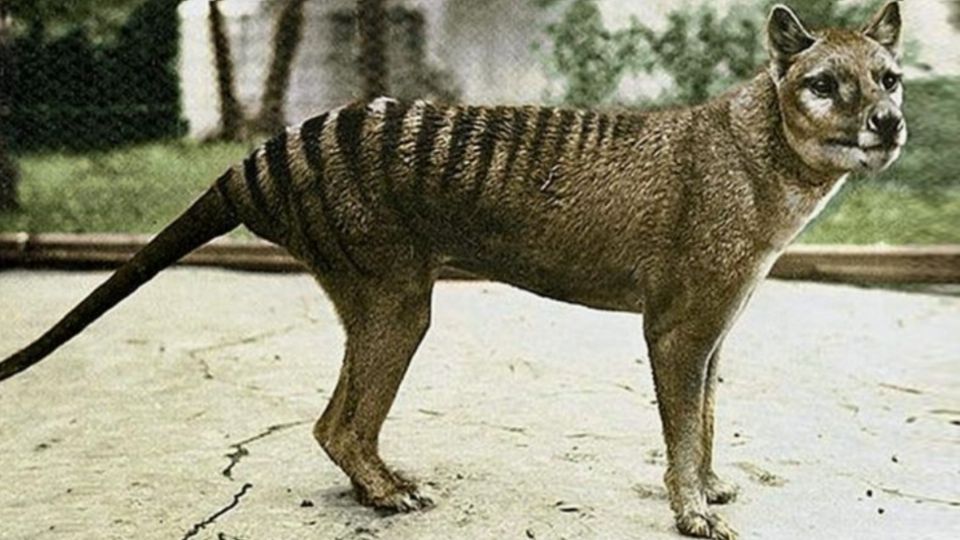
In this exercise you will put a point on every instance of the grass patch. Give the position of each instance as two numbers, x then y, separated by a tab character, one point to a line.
870	213
133	190
142	188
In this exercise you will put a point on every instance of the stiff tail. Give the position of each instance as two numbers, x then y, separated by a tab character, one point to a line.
209	217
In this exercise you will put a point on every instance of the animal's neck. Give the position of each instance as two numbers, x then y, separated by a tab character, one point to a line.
788	192
756	121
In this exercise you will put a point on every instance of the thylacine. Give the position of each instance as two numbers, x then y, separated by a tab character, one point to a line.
677	214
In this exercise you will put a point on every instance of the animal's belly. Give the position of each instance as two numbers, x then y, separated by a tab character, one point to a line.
594	286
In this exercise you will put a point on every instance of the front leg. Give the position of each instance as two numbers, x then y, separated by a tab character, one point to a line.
681	342
717	491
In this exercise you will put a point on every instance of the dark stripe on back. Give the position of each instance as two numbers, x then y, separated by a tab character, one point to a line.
390	140
622	126
459	138
588	120
602	125
426	141
310	135
221	186
349	136
536	146
560	139
393	123
563	130
251	175
278	164
495	122
631	125
517	131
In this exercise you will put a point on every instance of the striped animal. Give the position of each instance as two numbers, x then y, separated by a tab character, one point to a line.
678	214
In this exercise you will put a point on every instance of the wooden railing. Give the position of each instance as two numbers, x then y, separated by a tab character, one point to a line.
838	263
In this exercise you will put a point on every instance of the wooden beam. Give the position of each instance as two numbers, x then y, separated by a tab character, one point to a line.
59	250
870	264
836	263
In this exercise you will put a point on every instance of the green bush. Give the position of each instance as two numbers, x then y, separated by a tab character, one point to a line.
700	51
590	58
71	92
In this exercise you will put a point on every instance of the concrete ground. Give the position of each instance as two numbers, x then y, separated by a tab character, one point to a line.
187	413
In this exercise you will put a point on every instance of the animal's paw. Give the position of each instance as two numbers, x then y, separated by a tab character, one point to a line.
704	525
718	491
405	501
404	497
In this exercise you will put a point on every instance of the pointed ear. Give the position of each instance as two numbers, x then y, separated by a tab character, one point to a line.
786	37
884	28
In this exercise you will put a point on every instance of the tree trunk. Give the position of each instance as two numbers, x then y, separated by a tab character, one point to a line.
372	27
287	35
9	173
231	112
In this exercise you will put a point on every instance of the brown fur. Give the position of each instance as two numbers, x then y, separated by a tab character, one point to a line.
678	214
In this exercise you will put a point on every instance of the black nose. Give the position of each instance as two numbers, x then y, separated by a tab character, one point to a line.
886	124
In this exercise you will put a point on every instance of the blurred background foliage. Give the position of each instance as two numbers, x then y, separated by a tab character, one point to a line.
699	50
111	157
98	19
93	74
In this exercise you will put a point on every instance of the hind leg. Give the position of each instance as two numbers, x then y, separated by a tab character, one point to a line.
385	319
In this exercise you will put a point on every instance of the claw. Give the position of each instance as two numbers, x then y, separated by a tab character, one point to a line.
401	501
412	501
705	525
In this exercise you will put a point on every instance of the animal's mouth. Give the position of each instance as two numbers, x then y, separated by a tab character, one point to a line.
863	151
852	144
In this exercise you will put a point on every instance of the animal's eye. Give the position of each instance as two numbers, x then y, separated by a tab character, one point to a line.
823	86
890	81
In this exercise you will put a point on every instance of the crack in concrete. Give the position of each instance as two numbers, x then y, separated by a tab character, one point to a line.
197	527
918	498
239	448
502	427
207	374
196	352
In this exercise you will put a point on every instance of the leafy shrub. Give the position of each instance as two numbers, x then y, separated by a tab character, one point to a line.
699	51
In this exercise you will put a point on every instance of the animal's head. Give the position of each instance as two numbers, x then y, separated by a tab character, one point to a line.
840	91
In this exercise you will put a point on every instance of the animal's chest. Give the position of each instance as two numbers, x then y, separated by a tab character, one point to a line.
798	209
